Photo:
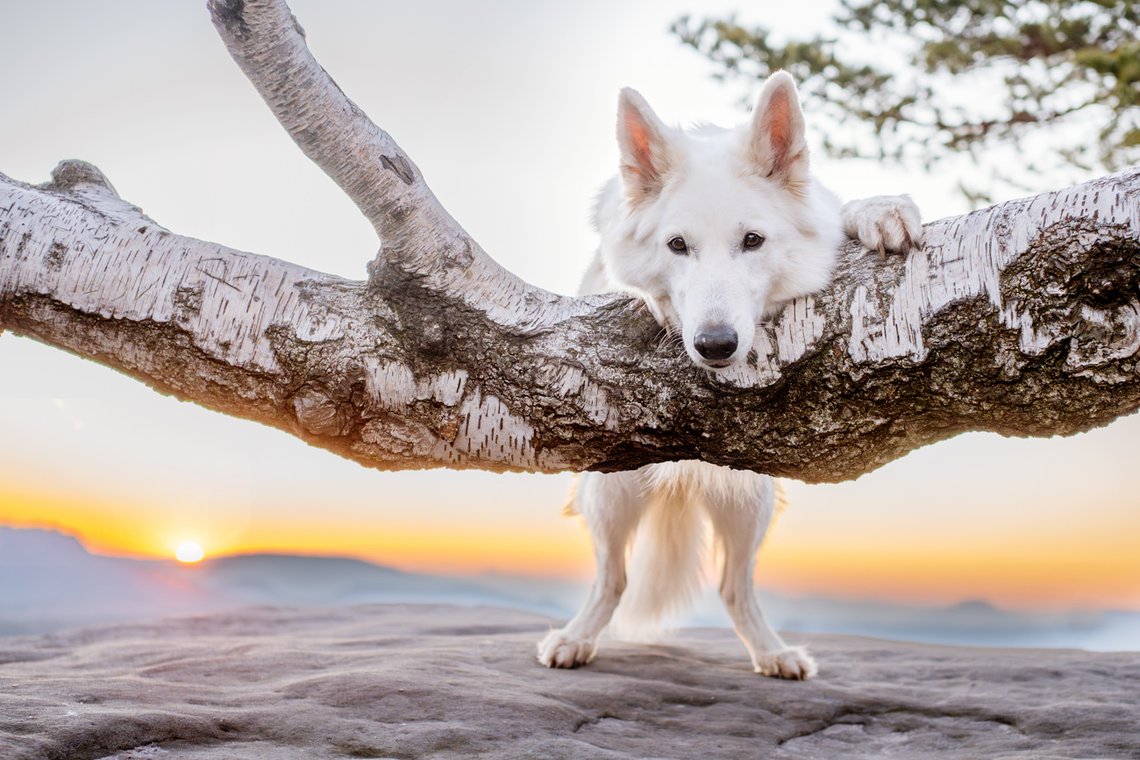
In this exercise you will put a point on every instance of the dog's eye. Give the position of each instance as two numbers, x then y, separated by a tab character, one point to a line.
752	241
678	245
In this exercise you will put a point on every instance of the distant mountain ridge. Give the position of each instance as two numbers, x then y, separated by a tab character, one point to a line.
49	581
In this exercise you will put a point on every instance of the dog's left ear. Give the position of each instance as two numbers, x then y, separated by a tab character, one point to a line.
776	143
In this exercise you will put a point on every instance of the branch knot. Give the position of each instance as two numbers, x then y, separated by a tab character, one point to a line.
400	166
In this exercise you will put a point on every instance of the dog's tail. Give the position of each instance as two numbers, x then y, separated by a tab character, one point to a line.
664	575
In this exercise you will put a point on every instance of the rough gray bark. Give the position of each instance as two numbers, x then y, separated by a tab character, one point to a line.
1022	319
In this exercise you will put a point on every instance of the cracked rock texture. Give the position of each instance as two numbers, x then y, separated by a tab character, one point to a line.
414	681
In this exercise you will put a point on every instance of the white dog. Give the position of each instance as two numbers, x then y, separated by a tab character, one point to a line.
716	230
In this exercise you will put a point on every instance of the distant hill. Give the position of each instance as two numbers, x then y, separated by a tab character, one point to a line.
48	582
292	579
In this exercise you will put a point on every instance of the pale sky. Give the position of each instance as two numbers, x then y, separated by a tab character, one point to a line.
507	107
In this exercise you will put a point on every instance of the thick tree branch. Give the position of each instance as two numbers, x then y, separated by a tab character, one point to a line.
1023	318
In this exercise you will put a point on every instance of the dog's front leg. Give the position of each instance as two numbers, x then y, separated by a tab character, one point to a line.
612	505
740	519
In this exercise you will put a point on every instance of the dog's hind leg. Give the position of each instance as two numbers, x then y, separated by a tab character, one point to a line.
740	517
612	504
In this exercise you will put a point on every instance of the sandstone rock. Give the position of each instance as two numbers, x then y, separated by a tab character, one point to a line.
406	681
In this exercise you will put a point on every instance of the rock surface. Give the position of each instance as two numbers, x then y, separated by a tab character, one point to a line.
405	681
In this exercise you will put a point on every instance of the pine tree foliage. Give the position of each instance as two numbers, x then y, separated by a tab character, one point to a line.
1055	83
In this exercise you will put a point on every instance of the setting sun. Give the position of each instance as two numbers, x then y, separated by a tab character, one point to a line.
189	552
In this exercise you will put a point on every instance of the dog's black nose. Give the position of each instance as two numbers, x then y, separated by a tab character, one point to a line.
716	343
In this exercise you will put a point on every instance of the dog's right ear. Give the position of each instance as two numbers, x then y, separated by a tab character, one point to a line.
777	145
644	145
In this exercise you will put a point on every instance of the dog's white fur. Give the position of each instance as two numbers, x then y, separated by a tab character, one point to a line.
717	191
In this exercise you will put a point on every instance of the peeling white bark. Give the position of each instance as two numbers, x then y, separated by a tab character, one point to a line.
393	386
118	264
1023	318
965	258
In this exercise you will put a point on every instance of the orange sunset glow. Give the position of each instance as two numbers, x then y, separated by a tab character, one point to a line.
562	549
1083	565
1088	576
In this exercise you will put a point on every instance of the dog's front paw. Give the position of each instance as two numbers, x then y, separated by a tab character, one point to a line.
559	651
885	223
794	663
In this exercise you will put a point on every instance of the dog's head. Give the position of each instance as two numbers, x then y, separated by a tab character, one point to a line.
716	228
